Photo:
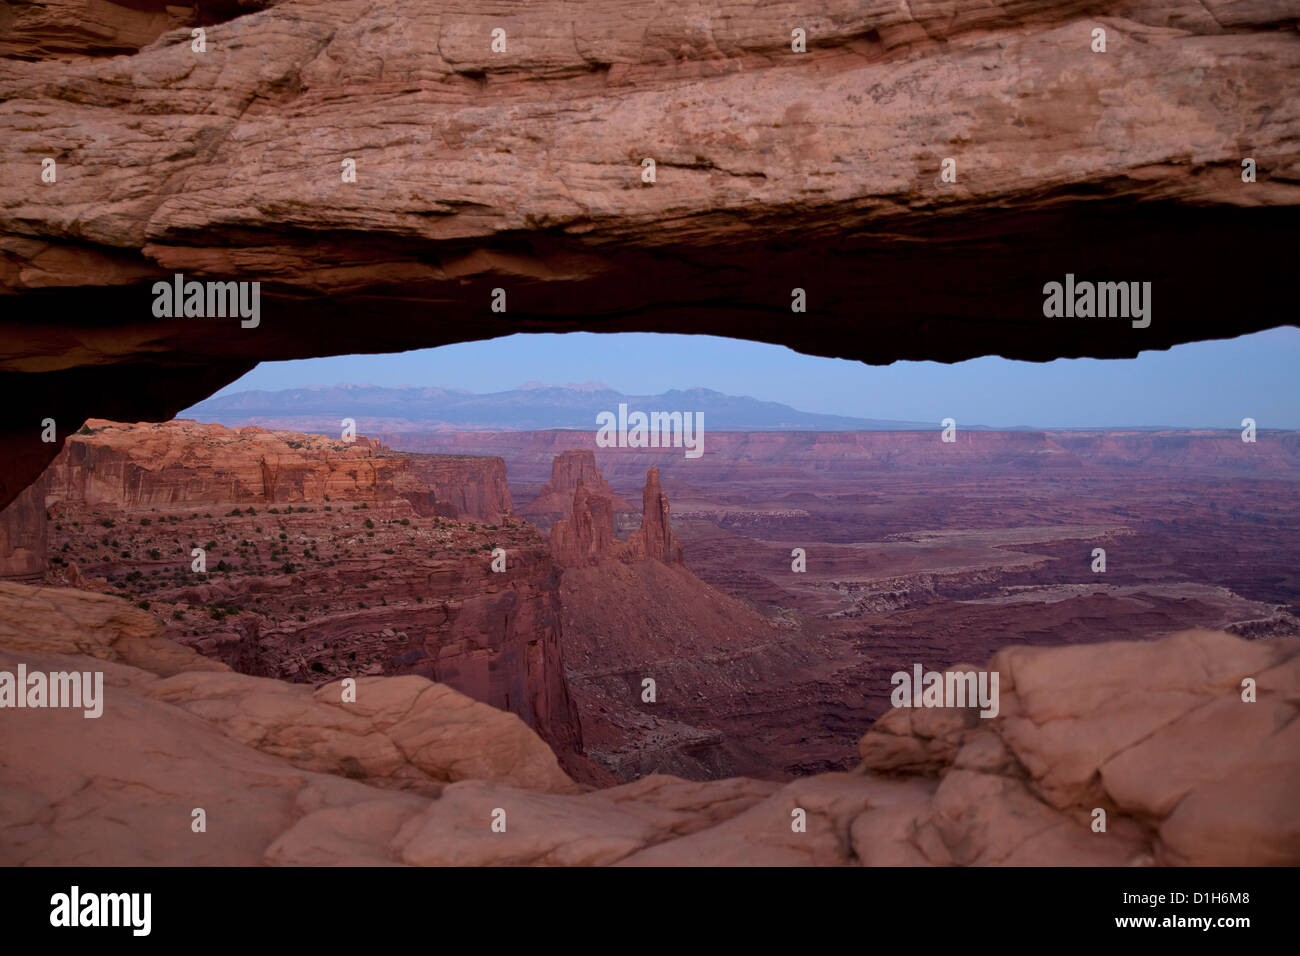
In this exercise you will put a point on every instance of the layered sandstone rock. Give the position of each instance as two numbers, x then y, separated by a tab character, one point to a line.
387	589
464	486
23	537
342	593
61	29
569	469
412	773
654	539
41	620
1157	734
522	170
185	464
587	535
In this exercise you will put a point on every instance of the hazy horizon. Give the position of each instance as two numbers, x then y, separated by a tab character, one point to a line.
1212	384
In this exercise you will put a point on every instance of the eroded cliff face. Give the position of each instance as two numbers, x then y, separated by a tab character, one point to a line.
23	534
655	539
569	469
370	569
134	466
464	486
587	535
185	463
522	170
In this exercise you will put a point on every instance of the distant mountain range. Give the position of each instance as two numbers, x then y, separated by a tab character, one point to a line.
535	406
529	407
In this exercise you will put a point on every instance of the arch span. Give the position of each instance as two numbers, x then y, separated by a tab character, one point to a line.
521	169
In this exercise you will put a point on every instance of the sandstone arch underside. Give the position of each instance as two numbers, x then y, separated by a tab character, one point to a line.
521	170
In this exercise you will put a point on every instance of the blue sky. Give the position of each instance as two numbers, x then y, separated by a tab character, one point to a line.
1212	384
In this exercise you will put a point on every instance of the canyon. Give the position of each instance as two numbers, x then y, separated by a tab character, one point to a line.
524	689
319	557
323	559
327	559
233	584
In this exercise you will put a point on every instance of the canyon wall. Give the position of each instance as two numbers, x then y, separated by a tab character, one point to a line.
377	581
23	534
733	456
494	637
465	486
186	464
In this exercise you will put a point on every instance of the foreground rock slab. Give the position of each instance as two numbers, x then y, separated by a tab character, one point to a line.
1156	734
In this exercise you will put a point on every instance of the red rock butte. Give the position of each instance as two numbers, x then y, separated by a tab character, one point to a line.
571	468
587	535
